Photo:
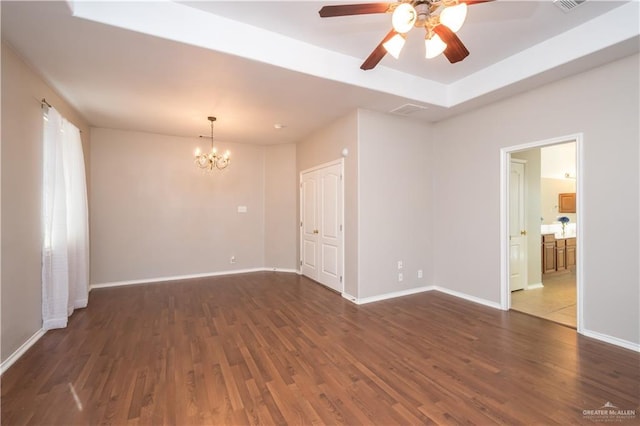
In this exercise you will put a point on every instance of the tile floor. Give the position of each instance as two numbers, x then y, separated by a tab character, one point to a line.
556	301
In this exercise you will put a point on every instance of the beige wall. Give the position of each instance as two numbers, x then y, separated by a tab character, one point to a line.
151	219
603	103
395	203
281	218
322	147
156	215
21	193
387	195
558	160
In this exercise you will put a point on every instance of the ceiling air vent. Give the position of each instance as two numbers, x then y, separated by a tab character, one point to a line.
567	5
408	109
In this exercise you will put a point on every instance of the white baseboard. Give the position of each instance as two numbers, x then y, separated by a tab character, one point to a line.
595	335
20	351
611	340
534	286
350	298
465	296
386	296
416	290
588	333
287	270
187	277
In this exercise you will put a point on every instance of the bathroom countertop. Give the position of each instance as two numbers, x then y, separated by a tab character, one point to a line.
556	230
559	236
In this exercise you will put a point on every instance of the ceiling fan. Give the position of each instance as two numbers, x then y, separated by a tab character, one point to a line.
441	19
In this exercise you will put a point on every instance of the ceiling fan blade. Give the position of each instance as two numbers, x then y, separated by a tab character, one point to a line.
456	50
472	2
354	9
378	53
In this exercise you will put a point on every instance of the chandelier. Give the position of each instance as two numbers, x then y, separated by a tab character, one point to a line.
212	160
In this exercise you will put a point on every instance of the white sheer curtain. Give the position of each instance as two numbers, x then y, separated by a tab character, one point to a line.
65	252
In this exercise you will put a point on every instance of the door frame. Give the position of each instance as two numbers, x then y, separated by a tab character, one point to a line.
505	175
338	162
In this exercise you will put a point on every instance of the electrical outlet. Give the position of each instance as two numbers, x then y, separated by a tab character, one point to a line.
400	264
400	277
419	273
232	260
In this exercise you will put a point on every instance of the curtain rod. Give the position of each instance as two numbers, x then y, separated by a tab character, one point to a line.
46	105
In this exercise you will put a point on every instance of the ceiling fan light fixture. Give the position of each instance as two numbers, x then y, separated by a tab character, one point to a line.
434	46
403	18
454	16
394	45
441	17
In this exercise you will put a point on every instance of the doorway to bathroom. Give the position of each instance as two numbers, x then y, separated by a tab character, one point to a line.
546	283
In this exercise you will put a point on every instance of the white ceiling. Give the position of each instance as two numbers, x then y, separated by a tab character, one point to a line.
163	67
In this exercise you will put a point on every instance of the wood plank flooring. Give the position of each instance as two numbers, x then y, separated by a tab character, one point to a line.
275	348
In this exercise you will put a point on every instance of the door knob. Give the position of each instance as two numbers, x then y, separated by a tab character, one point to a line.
315	231
523	232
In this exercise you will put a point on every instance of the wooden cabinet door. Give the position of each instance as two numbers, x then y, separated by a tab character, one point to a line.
567	202
548	257
561	263
570	252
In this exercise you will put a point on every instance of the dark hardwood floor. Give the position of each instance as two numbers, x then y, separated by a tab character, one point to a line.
275	348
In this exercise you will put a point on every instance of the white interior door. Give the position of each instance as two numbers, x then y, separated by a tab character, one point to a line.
321	247
309	225
330	233
517	227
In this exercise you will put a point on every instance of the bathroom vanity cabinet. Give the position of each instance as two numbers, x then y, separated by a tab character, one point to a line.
558	254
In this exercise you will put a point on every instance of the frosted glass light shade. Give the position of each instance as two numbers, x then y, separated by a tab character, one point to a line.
394	45
403	18
454	16
434	46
